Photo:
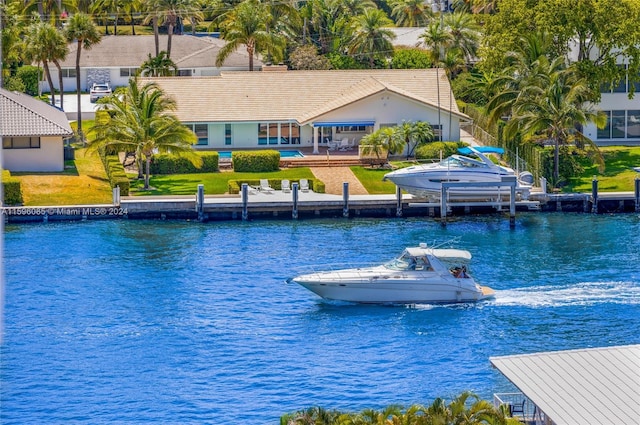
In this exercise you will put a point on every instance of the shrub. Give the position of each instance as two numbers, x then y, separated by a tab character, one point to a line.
12	189
115	173
432	150
30	75
255	161
173	164
235	185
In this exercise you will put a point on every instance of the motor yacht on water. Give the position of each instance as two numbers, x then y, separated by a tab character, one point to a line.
420	274
426	180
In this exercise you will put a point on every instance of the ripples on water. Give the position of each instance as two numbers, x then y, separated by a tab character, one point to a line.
174	322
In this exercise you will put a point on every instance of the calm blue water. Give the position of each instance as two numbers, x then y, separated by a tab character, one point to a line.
283	154
175	322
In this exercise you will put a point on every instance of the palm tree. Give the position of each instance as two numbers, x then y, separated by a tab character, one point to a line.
44	43
371	36
247	25
465	34
411	13
169	12
159	66
141	121
385	141
413	134
555	112
83	31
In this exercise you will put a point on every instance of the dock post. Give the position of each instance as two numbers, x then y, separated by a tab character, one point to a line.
200	202
294	195
637	192
543	185
512	207
398	202
345	199
245	202
116	196
443	205
594	195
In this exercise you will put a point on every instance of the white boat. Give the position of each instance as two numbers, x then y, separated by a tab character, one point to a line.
426	180
419	275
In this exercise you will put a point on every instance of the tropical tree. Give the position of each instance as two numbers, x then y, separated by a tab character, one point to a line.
556	111
411	13
436	39
83	31
371	36
382	143
413	134
247	25
159	66
168	12
44	43
464	34
140	120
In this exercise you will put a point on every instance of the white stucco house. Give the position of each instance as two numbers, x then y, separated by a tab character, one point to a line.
623	116
280	109
32	133
116	58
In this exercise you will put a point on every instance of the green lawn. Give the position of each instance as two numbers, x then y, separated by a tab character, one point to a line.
371	179
618	175
214	183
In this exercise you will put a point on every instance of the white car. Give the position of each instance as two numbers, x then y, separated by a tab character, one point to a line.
99	90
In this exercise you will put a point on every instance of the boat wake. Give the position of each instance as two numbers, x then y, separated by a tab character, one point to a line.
584	293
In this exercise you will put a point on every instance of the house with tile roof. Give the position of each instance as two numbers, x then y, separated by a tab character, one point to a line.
116	58
32	133
256	110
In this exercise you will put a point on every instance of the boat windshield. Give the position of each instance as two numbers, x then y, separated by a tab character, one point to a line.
462	162
409	262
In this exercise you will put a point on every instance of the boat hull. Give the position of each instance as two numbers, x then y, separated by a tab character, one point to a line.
390	290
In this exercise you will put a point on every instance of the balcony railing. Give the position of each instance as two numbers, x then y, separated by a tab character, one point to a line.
519	406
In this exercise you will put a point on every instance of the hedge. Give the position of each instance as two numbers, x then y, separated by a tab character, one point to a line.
255	161
432	150
12	189
173	164
235	185
115	173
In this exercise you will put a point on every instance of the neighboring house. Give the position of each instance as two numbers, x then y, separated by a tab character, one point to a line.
32	133
623	116
592	386
117	58
277	109
407	36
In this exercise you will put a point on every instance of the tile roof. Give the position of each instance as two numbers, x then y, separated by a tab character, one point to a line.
23	115
299	95
130	51
593	386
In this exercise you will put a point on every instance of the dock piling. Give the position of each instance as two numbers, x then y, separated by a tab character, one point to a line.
200	202
594	195
116	196
637	193
294	195
398	202
345	199
245	202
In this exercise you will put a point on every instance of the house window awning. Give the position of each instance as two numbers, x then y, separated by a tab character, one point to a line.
342	123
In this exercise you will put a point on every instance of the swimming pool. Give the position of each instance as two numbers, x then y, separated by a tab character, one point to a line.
283	154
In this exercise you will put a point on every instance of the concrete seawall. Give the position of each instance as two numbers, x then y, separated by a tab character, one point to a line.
310	205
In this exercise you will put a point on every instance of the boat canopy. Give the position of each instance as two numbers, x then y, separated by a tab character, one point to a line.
444	254
481	149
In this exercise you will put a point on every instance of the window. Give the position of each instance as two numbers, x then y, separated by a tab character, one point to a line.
227	134
68	73
633	124
21	143
437	132
128	72
263	132
621	125
351	129
184	73
201	131
617	125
